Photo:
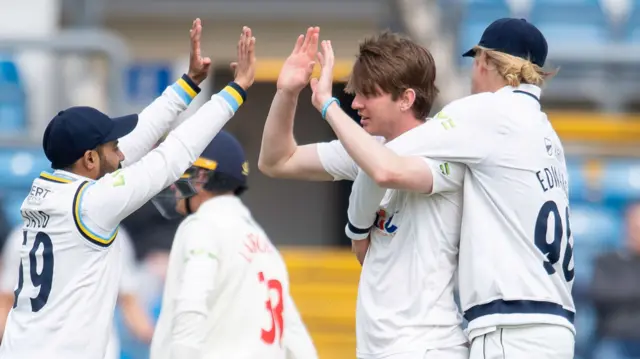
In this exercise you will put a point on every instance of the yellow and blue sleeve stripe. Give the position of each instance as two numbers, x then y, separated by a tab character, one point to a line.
186	89
102	241
53	178
234	95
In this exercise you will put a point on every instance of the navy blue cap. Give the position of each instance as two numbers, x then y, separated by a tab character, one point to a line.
515	37
76	130
225	155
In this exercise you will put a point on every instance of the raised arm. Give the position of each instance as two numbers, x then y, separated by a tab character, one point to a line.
457	134
157	119
280	155
101	205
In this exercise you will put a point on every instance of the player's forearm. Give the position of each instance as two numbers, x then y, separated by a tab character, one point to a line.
6	302
364	203
188	335
388	169
136	318
119	194
379	162
278	143
157	119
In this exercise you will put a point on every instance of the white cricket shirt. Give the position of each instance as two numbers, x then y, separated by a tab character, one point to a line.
11	264
405	296
71	268
516	247
227	291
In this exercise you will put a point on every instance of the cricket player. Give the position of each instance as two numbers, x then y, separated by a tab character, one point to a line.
70	264
405	307
135	317
227	288
516	266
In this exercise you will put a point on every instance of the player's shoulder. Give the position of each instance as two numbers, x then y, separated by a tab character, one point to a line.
202	222
471	104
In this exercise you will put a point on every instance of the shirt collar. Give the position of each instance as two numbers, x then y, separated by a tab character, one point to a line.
531	89
227	203
61	176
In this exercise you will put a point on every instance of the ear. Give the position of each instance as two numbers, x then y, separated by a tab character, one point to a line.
482	62
90	159
407	99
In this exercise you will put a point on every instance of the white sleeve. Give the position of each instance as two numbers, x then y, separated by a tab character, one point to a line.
157	119
100	206
201	258
296	338
364	203
447	176
336	161
128	276
465	131
10	261
366	195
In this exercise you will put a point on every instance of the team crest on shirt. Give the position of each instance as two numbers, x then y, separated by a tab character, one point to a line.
384	222
548	145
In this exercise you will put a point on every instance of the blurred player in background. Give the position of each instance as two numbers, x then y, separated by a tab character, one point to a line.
516	266
70	265
135	316
405	306
227	288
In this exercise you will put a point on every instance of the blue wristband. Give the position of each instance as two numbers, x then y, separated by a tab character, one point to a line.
326	106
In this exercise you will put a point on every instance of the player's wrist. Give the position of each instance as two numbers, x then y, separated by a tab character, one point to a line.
195	77
186	88
192	82
327	104
355	233
234	94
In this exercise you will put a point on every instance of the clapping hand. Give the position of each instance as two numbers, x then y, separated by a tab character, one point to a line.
296	70
323	87
198	66
245	66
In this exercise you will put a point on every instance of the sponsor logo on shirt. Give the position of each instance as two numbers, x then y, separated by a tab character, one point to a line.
384	222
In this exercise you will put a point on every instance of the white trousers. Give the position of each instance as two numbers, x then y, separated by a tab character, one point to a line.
525	342
457	352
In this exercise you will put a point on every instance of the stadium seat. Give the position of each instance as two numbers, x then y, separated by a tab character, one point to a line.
621	180
478	14
18	166
596	229
11	203
560	23
12	99
632	28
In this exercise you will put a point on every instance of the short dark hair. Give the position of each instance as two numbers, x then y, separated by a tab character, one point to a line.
393	63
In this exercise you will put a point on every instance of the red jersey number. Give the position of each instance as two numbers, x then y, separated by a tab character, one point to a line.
277	322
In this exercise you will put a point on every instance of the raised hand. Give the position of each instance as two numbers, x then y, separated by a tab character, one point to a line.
198	66
323	87
296	70
245	66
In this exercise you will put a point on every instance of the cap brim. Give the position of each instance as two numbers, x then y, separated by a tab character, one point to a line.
123	126
470	53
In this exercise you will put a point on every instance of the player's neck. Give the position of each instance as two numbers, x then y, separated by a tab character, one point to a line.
495	83
78	171
204	196
407	124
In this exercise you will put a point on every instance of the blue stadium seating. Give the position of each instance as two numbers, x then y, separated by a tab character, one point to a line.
12	99
632	26
570	22
557	19
18	167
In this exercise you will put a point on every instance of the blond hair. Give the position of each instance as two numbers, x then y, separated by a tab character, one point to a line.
515	70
